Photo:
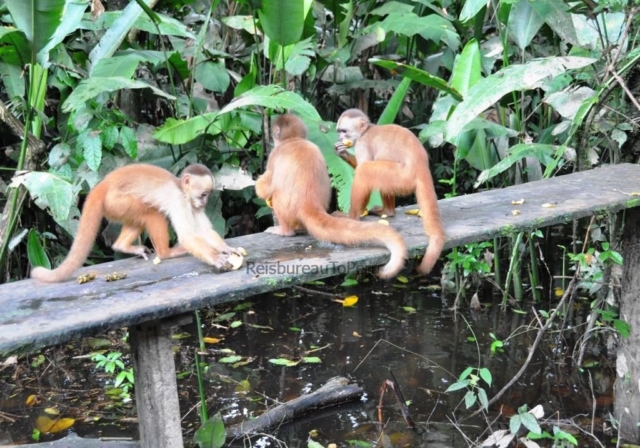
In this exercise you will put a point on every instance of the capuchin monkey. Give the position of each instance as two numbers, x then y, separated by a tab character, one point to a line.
142	197
297	186
391	159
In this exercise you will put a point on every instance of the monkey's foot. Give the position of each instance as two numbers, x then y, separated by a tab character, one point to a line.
281	231
175	251
379	211
141	251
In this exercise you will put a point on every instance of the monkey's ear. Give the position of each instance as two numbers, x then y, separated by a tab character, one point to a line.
276	132
185	180
362	124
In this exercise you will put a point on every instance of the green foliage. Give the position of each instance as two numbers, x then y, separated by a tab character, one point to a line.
212	433
112	364
471	382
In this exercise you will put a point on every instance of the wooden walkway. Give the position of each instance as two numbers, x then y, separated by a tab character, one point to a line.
36	315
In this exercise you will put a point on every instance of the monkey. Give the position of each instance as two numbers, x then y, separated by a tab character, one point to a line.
141	196
297	185
390	158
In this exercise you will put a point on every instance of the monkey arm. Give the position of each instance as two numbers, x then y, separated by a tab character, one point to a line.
264	185
344	154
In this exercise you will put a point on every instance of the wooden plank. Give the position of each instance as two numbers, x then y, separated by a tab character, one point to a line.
36	315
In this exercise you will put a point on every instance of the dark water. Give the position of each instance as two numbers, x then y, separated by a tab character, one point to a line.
407	328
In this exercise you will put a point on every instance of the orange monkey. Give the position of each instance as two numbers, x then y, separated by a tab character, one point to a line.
298	186
391	159
142	197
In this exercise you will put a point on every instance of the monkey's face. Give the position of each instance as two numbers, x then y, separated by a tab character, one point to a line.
349	130
197	189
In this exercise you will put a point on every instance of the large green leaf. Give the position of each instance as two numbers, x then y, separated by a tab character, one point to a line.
48	191
283	20
274	97
46	23
544	153
35	252
468	69
123	66
394	105
12	79
91	87
471	8
555	13
212	433
417	75
524	23
432	27
178	132
15	49
510	79
111	40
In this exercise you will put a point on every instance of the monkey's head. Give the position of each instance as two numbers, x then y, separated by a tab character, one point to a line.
197	184
287	126
351	124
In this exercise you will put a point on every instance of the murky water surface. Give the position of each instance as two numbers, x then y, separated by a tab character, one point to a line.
405	328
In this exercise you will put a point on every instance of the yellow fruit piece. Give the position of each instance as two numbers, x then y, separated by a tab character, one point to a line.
413	212
235	261
384	222
242	251
365	212
157	260
347	143
268	201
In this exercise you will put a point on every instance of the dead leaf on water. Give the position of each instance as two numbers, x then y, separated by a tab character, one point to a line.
209	340
31	400
52	411
520	202
47	425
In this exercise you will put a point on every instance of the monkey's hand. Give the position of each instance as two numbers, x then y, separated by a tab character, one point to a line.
342	149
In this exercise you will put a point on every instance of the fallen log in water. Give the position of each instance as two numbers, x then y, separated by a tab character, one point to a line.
336	391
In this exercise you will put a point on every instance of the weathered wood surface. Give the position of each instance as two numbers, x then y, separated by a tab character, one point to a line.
36	315
75	441
627	392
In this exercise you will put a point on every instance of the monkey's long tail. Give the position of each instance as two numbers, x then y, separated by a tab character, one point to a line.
88	227
349	232
428	204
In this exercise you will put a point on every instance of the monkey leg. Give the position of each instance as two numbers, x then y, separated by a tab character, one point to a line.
386	176
388	205
128	235
284	228
158	229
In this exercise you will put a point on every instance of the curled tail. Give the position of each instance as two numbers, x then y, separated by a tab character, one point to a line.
428	204
88	227
349	232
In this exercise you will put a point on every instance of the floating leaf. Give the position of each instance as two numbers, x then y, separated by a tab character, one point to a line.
350	301
212	433
230	359
47	425
284	362
52	411
236	323
209	340
356	334
409	309
402	279
31	400
243	386
312	360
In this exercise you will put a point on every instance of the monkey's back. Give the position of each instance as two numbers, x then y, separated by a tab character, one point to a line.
300	175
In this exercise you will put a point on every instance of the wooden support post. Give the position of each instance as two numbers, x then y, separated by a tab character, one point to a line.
155	384
627	389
